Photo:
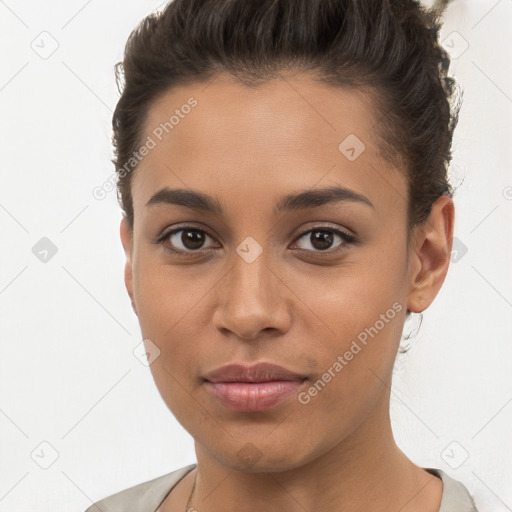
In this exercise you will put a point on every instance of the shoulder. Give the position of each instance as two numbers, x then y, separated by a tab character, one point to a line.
456	497
144	497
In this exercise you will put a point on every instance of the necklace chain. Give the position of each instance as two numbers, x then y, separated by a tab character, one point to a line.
188	507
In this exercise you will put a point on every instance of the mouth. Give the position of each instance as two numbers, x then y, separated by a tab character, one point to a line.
252	388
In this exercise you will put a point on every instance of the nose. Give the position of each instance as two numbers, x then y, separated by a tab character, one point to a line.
252	298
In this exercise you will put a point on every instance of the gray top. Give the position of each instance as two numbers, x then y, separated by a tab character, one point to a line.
148	496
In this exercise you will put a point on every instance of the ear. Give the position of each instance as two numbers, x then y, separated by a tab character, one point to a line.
430	254
127	241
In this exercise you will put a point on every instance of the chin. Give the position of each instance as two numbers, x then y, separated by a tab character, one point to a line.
259	455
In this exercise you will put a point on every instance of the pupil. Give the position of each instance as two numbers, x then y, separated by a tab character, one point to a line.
321	239
192	239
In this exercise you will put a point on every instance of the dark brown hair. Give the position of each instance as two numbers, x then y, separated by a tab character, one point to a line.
388	47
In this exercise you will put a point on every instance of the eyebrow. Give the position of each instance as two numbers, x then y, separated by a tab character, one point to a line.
297	201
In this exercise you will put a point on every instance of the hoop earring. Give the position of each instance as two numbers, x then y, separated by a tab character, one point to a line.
411	328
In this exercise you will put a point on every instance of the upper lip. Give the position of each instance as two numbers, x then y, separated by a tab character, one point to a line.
260	372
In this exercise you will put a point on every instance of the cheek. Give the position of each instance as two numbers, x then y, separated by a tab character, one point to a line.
170	299
355	319
170	313
353	334
171	308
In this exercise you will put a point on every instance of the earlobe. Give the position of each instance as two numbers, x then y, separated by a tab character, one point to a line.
431	253
126	233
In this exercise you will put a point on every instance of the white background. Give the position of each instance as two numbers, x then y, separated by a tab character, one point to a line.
68	375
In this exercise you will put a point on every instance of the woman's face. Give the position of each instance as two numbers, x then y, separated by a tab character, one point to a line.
257	278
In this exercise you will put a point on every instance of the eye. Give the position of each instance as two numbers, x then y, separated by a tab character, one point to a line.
189	240
322	238
186	239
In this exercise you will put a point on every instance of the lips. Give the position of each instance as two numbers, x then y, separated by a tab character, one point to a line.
252	388
261	372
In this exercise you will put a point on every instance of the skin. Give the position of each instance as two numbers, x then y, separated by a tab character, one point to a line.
248	147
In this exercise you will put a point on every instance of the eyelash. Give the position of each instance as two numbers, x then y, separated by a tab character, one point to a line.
348	240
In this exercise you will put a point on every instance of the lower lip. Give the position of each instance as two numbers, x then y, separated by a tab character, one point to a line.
253	396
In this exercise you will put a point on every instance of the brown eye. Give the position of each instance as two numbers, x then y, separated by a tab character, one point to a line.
185	239
322	239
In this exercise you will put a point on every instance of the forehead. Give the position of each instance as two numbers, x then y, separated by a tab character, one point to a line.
285	134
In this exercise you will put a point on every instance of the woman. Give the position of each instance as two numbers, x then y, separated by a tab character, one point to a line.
282	172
